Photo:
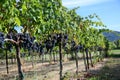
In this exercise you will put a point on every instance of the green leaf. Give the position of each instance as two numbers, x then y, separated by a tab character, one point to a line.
6	31
34	19
24	8
17	21
0	27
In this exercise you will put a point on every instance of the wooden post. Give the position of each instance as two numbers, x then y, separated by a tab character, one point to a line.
20	73
7	62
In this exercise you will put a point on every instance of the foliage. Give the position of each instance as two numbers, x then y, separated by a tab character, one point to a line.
117	44
46	23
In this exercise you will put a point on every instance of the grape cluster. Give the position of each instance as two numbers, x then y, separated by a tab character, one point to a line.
99	48
50	43
54	40
26	41
9	45
35	47
1	40
74	47
41	49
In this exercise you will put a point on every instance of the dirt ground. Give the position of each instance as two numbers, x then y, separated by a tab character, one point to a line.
46	71
43	71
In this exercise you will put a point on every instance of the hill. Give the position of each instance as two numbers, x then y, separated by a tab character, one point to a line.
112	36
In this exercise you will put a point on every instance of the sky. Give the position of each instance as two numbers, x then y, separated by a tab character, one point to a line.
107	10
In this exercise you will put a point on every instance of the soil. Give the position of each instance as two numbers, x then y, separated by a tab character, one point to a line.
47	71
43	71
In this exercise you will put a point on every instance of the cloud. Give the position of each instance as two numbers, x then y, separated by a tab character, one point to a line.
76	3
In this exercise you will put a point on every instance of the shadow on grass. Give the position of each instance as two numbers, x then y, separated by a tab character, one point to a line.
111	71
115	55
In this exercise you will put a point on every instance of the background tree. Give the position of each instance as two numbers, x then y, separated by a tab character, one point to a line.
117	43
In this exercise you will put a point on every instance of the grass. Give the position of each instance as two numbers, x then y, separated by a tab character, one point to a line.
116	51
114	55
111	70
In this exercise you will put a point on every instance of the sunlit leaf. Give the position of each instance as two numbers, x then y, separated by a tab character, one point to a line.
17	21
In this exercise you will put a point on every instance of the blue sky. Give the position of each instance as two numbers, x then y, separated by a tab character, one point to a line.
107	10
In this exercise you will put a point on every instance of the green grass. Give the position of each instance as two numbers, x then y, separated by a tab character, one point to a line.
111	70
115	51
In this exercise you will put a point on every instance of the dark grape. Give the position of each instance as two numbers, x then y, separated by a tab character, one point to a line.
1	40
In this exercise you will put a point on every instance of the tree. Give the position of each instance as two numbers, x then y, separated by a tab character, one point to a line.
117	43
107	46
